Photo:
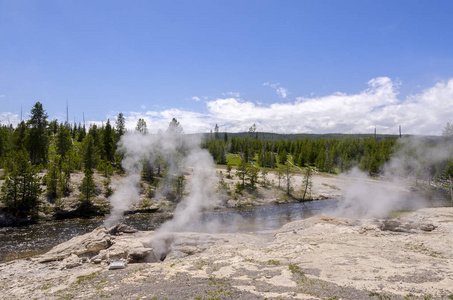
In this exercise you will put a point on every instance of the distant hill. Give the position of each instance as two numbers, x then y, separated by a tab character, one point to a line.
313	136
294	136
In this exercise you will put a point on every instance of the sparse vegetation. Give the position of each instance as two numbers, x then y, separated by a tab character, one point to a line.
273	262
81	279
379	296
295	269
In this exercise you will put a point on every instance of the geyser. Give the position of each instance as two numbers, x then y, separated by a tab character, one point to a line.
174	151
410	163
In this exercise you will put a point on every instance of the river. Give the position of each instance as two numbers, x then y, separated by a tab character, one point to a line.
19	242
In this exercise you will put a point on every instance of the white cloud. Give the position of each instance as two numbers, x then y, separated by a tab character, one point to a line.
378	104
281	91
233	94
7	118
191	122
195	98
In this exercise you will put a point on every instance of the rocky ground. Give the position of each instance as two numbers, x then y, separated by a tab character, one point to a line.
409	257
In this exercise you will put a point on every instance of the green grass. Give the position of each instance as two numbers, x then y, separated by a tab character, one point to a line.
91	276
373	294
295	269
273	262
233	159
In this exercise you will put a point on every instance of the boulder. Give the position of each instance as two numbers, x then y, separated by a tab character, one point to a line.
427	227
129	250
90	244
121	228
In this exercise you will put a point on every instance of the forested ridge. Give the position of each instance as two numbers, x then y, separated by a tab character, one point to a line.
59	149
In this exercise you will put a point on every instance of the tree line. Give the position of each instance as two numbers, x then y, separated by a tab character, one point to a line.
425	159
39	153
332	155
58	149
36	145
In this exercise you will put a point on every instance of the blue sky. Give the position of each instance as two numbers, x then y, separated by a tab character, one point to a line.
288	66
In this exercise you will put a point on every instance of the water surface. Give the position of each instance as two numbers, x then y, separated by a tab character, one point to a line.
20	242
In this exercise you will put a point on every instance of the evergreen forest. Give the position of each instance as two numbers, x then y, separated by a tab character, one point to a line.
39	156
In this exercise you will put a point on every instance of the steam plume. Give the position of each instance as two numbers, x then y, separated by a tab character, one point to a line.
412	161
175	151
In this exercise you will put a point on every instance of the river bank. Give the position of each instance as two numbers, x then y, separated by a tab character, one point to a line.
268	191
26	241
409	257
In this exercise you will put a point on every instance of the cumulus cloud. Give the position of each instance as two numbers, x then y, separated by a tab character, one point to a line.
7	118
281	91
377	105
192	122
195	98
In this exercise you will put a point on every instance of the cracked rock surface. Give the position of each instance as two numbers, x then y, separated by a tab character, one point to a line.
316	258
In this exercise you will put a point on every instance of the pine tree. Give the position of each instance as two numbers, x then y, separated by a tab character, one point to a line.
37	141
4	142
108	142
252	173
282	157
174	128
63	140
120	126
82	133
141	126
216	132
89	160
447	132
21	190
52	180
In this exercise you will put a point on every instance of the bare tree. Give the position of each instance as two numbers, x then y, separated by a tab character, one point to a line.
288	174
280	175
307	183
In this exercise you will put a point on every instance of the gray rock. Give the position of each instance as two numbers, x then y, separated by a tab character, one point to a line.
127	249
71	261
427	227
115	230
90	243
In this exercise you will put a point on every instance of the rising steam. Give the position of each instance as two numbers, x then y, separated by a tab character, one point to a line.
176	151
412	162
